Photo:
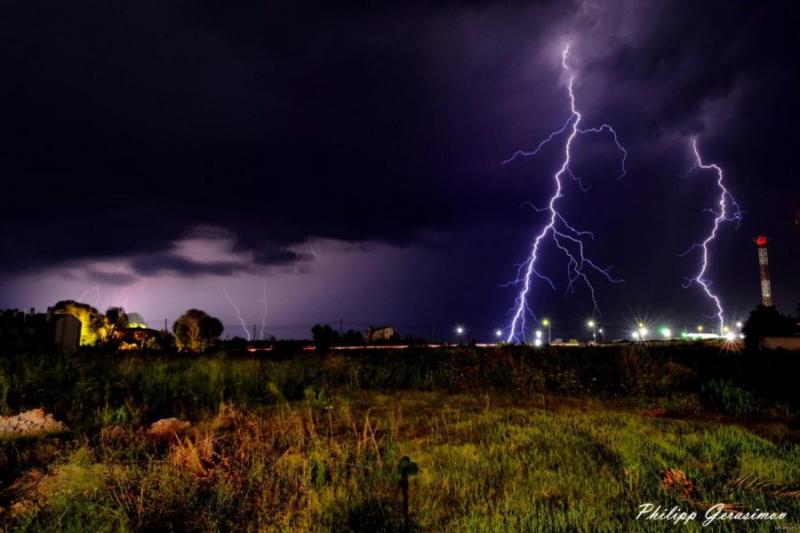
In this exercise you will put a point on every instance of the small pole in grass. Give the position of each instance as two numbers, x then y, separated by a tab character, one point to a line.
406	468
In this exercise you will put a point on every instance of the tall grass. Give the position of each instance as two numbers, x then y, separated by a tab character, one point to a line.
506	439
482	467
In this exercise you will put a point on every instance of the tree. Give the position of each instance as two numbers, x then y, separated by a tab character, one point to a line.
94	326
116	320
766	322
135	320
324	337
196	330
353	338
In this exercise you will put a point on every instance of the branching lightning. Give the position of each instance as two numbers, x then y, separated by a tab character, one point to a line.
264	317
720	216
564	235
238	312
96	290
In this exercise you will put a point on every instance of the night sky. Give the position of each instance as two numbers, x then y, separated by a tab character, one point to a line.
345	162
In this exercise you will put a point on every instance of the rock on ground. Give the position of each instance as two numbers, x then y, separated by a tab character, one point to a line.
30	423
168	426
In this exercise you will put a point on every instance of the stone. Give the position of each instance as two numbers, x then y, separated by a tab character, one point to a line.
31	422
168	426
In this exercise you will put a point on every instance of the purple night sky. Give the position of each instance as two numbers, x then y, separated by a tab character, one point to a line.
344	162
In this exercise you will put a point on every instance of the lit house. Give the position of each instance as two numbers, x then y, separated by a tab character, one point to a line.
383	334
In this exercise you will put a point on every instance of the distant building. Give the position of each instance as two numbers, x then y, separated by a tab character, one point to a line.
29	328
382	334
134	338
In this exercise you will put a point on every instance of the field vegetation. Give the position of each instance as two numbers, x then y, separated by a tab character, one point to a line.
457	439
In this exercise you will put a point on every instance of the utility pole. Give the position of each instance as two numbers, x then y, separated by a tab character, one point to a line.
165	325
254	332
341	333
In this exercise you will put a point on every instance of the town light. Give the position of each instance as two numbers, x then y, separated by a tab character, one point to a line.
538	334
537	342
546	323
666	333
499	333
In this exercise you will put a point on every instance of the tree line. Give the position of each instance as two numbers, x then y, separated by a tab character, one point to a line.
194	330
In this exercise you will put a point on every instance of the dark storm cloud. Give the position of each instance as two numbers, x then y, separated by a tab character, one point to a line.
127	125
148	265
111	278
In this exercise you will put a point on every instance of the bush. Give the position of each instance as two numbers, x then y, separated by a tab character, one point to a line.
725	397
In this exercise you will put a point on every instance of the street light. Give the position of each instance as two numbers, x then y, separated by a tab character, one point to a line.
643	332
499	333
592	324
539	334
460	332
546	322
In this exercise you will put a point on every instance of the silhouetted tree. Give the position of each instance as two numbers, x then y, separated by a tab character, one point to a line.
165	340
353	338
324	337
116	320
196	330
766	322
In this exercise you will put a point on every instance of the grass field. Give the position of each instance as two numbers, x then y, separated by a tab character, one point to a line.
475	441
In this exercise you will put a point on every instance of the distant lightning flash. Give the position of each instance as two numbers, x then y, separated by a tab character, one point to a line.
238	312
264	317
96	290
719	217
563	234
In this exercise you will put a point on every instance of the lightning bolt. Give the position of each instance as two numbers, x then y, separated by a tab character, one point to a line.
95	289
568	239
238	312
264	318
720	216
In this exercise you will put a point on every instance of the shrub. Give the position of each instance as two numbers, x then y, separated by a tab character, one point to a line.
724	396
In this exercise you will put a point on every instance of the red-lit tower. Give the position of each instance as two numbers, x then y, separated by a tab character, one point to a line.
763	265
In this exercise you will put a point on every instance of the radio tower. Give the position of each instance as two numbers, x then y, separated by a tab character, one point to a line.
763	265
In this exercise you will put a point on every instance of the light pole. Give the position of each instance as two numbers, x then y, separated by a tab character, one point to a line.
460	332
592	324
546	322
499	335
600	332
